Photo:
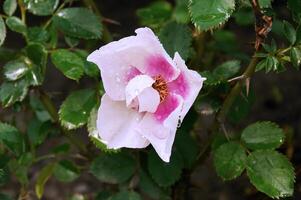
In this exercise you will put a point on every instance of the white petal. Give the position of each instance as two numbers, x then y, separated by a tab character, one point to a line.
117	124
149	99
136	86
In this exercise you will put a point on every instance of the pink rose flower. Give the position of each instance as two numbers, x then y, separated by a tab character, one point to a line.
147	93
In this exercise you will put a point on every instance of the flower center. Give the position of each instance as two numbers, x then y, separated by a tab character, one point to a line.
161	86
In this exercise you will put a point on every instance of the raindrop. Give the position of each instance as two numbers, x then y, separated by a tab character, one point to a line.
118	79
179	122
136	92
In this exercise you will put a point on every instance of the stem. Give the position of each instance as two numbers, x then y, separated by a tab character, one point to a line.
23	11
45	157
50	19
237	89
4	16
49	105
106	33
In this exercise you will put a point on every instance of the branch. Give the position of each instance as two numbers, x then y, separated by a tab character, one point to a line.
263	26
22	10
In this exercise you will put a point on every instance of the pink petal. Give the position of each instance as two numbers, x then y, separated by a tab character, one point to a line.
166	107
161	134
149	100
158	65
136	86
188	84
117	125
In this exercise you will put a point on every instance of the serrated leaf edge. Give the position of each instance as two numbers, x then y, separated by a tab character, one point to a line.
213	27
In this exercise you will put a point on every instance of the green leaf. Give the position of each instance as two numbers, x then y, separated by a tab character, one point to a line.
262	135
265	3
41	7
71	41
176	41
53	33
61	149
181	13
187	147
2	31
26	159
37	54
230	160
295	55
79	23
90	68
39	109
11	92
165	174
227	69
295	7
12	138
37	34
242	106
270	63
15	24
7	54
75	110
37	131
70	64
154	15
244	17
125	195
270	172
15	69
103	195
210	14
9	7
66	171
113	168
149	187
5	197
222	72
289	32
43	177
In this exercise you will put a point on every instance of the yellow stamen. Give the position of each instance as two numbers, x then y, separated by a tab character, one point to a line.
161	86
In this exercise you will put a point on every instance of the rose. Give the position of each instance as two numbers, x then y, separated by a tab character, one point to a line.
147	93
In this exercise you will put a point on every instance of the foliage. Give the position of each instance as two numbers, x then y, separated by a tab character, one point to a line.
58	137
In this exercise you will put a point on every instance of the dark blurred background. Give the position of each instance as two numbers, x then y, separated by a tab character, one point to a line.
277	98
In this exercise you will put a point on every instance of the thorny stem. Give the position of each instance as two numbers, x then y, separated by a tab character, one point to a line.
49	105
262	28
236	90
106	34
23	11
